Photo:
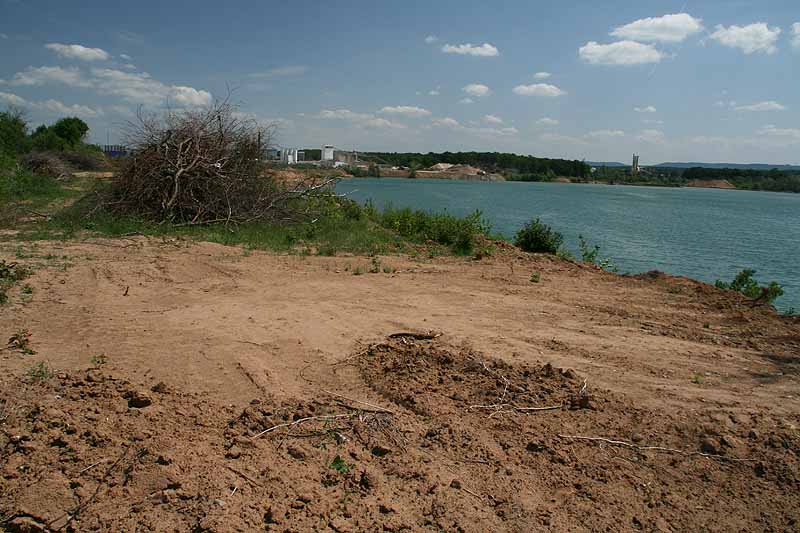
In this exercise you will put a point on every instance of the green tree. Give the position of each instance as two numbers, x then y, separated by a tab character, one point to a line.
13	132
72	130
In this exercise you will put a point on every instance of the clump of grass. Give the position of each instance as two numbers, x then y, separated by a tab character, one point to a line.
458	234
39	372
535	277
340	465
98	360
376	266
537	237
697	378
745	283
358	271
21	341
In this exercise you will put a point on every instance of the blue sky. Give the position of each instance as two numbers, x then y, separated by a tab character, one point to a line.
711	80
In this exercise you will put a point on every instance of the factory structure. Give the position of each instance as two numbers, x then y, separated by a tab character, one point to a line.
329	156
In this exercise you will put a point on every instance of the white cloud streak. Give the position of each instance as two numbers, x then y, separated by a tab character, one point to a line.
547	121
477	89
796	35
544	90
673	28
430	39
407	110
52	107
542	75
483	50
749	39
645	109
79	52
769	105
622	53
492	119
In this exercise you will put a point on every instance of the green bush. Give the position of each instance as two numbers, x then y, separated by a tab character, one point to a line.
421	226
537	237
747	285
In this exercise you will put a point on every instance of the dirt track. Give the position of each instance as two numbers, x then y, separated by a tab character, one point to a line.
245	342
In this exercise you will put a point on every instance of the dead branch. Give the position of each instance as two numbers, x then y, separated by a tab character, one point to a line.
378	408
659	449
206	166
298	422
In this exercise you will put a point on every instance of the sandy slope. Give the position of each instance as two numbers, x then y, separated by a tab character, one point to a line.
228	328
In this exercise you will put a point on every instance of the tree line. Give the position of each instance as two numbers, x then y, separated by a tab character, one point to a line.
512	166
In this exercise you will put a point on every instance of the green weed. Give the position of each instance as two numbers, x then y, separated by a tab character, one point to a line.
340	465
39	372
747	285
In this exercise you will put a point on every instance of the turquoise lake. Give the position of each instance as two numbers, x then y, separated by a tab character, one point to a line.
706	234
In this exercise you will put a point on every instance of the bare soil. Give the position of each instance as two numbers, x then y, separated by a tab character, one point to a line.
230	391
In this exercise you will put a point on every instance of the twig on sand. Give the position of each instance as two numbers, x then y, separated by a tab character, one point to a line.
297	422
377	407
500	408
660	449
245	477
91	466
418	336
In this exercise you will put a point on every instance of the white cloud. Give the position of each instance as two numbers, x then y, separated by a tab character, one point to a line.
749	39
35	76
466	101
434	92
12	99
645	109
599	134
77	51
382	123
129	66
453	124
674	28
620	53
62	109
492	119
407	110
769	105
651	136
50	106
483	50
430	39
364	120
140	88
477	89
796	35
785	135
447	122
126	57
547	121
651	121
539	89
343	114
542	75
281	72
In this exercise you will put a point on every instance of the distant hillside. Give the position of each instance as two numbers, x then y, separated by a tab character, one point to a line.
738	166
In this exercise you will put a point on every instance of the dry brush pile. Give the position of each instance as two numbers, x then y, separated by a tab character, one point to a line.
204	166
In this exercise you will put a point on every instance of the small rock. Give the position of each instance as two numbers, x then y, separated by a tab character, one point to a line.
380	451
296	453
137	399
160	387
753	434
26	524
535	447
234	452
708	446
219	502
340	524
456	484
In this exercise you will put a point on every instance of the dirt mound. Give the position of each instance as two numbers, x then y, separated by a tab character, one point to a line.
711	184
428	437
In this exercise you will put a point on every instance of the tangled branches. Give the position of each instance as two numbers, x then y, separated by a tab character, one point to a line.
202	167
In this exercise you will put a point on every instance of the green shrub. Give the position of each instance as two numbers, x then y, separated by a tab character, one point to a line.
421	226
747	285
537	237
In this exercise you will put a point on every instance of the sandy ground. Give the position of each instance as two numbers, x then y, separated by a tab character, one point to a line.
221	329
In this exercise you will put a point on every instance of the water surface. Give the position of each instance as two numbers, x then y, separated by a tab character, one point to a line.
705	234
